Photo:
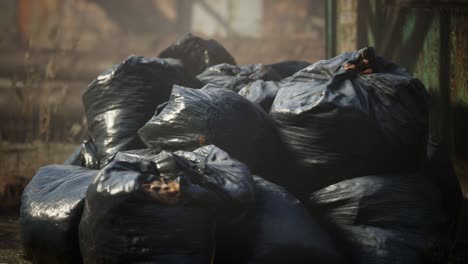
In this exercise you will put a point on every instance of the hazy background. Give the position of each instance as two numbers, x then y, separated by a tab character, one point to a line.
51	49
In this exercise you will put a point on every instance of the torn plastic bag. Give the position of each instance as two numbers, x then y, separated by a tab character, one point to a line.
51	208
213	115
197	54
126	222
261	92
123	98
384	218
339	121
288	68
230	175
236	77
276	229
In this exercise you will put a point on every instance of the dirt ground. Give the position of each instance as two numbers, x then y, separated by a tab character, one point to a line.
10	247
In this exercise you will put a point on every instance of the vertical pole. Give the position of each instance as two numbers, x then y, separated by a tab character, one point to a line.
331	27
363	13
444	77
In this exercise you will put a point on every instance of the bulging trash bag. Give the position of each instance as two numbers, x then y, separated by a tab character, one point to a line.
234	77
352	115
123	98
230	175
51	208
162	208
213	115
261	92
276	229
197	54
383	218
288	68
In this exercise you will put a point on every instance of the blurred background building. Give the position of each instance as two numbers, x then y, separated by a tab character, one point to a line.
52	49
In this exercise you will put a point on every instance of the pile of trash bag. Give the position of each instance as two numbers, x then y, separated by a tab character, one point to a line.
193	159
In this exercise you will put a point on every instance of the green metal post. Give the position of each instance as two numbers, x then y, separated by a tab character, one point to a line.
444	76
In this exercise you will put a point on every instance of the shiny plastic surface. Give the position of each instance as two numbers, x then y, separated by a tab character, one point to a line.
343	122
213	115
122	99
121	223
51	208
236	77
261	92
276	229
384	218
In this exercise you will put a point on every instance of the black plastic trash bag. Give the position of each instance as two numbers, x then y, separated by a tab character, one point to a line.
234	77
84	156
288	68
276	229
89	155
384	218
122	99
137	155
368	118
51	208
438	166
126	222
213	115
228	174
197	54
261	92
